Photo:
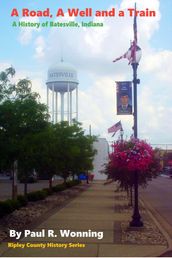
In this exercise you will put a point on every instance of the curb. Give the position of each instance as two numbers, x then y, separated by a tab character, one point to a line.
162	225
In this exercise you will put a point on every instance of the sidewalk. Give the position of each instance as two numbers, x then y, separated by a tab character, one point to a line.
99	209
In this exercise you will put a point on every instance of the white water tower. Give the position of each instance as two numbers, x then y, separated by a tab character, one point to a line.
62	92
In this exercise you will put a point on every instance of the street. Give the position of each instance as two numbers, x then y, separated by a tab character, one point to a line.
6	187
159	195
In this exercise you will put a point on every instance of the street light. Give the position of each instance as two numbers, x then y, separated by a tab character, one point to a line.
136	81
136	221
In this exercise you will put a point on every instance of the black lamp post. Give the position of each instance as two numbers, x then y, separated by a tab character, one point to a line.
136	218
121	134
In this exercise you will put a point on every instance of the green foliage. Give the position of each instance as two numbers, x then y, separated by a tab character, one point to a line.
22	200
8	206
26	135
64	186
59	188
10	91
6	87
63	149
72	183
22	116
36	196
48	191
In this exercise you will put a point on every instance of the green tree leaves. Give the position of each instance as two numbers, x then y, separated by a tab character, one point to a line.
27	136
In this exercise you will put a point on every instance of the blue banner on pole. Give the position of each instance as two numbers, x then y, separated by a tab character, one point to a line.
124	98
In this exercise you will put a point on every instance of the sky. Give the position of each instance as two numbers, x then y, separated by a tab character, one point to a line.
32	51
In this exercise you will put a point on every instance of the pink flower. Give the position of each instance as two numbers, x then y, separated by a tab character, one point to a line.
131	155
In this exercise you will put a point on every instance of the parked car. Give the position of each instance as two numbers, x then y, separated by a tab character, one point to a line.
32	178
167	170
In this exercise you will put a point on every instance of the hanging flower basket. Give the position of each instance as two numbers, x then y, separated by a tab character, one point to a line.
132	155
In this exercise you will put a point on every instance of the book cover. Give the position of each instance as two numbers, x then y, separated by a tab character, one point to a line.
69	70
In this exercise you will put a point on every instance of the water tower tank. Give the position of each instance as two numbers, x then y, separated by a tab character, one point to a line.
61	79
61	76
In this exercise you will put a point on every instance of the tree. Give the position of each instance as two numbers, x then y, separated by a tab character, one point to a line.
67	143
83	154
26	135
63	150
77	153
12	91
6	87
45	150
22	116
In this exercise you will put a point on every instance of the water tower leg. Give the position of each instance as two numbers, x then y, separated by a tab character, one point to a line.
48	98
68	103
53	103
56	110
62	106
70	107
76	103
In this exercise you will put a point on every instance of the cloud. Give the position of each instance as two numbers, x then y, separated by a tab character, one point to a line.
92	50
40	47
159	63
26	33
